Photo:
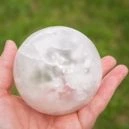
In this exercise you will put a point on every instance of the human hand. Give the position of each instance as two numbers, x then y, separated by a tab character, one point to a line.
16	114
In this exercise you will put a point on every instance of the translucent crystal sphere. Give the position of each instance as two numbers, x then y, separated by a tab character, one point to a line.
57	70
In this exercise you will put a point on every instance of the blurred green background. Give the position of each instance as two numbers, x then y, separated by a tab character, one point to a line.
105	22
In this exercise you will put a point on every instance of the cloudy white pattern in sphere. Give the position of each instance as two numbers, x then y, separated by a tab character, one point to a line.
57	70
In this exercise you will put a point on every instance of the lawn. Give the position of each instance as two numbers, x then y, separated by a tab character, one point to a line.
105	22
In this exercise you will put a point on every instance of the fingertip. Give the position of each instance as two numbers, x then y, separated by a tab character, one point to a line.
123	68
10	43
110	59
10	47
113	59
108	63
9	53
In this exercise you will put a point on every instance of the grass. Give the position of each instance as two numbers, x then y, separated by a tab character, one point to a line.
105	22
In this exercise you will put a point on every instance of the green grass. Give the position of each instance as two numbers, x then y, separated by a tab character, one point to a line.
105	22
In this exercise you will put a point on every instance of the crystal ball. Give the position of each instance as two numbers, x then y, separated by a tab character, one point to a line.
57	70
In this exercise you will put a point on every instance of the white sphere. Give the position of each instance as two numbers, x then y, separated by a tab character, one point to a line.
57	70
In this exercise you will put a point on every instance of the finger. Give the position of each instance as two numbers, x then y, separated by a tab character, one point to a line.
107	89
6	64
103	96
108	62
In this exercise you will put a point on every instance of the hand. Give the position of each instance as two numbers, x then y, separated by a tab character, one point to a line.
15	114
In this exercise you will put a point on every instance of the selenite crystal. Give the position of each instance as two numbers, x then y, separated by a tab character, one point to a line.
57	70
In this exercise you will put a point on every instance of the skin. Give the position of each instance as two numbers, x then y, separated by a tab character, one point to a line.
15	114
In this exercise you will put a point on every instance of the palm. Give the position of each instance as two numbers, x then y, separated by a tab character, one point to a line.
15	114
20	116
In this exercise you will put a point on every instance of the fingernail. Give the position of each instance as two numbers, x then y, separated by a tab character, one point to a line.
7	43
124	69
